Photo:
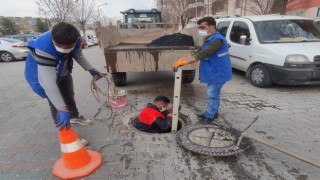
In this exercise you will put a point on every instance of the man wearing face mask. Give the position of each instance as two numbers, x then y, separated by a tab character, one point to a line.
155	118
215	65
48	71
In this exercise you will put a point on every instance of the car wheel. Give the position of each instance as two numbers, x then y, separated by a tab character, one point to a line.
6	56
260	76
119	78
188	76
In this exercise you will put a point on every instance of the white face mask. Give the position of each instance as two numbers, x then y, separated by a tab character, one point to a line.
63	50
203	33
162	109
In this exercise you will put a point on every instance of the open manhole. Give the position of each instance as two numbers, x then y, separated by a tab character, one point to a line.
183	121
212	140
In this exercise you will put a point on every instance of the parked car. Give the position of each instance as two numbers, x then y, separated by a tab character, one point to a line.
11	49
95	40
274	48
22	37
90	40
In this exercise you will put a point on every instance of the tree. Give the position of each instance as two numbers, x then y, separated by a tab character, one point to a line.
259	7
219	6
7	26
58	10
107	21
175	8
41	26
279	6
84	13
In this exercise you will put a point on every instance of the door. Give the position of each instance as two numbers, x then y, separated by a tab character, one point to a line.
239	52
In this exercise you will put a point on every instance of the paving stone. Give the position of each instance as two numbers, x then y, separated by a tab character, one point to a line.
172	175
22	156
158	175
51	155
31	175
8	175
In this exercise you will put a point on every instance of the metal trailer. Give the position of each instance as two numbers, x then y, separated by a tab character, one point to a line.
126	50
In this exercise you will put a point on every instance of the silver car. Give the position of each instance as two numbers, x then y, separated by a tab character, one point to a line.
11	49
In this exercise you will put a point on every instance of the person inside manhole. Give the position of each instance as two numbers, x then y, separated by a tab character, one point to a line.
215	66
156	117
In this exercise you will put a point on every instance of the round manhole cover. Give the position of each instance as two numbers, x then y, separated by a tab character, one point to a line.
212	140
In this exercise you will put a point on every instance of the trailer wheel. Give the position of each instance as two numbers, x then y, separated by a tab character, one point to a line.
188	76
119	78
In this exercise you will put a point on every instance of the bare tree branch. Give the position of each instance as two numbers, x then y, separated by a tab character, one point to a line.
84	13
259	7
58	10
174	8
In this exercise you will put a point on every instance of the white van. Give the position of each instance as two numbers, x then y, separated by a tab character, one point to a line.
274	48
90	40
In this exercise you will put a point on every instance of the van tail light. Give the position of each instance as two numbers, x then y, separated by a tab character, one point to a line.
19	46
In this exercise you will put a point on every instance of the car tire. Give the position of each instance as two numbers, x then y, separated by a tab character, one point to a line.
119	78
188	76
260	76
6	56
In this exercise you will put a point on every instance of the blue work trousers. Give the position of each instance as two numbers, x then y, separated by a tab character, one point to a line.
213	94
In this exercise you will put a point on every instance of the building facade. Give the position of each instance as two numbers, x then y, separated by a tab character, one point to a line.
305	8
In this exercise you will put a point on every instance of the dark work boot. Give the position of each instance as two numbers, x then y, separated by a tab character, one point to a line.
201	116
206	120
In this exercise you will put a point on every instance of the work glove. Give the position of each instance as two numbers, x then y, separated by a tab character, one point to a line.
95	73
178	63
63	120
170	109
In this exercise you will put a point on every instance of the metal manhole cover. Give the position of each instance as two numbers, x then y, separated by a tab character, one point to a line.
212	140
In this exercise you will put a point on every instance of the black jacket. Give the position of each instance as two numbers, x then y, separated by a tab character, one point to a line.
160	125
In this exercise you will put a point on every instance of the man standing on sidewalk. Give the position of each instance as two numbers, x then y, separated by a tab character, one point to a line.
48	71
215	65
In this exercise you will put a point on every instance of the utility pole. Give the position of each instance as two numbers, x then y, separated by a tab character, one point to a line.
99	10
245	7
196	9
208	8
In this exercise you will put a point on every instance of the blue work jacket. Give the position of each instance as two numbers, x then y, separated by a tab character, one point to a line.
44	43
217	67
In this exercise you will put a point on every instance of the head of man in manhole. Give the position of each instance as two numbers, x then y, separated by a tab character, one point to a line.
156	117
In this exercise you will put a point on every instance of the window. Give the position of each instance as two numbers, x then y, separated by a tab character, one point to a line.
239	29
223	27
290	30
318	13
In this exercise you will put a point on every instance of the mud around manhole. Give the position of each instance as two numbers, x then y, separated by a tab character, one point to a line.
183	121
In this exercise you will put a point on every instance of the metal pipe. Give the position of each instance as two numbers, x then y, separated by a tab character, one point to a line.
285	151
276	147
176	100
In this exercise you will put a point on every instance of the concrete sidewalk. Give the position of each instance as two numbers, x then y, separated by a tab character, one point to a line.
288	116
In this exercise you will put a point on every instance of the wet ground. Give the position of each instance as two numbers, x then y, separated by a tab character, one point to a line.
288	117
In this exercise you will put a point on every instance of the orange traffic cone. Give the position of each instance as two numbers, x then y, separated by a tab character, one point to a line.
76	160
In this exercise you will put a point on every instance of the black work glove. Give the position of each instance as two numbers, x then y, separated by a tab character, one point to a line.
94	72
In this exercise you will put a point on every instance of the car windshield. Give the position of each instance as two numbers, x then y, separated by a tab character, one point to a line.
283	31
